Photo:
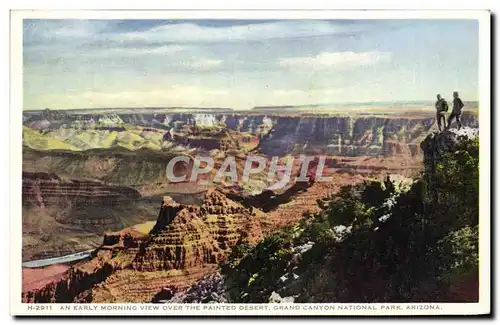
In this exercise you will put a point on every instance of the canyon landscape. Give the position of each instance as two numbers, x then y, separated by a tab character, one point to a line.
97	198
232	161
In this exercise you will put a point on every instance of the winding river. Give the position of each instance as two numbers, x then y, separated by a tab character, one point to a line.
58	260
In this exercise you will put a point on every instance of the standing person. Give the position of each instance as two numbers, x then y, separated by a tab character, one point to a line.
441	109
457	110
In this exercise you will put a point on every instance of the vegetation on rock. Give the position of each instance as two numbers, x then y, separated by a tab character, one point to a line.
393	241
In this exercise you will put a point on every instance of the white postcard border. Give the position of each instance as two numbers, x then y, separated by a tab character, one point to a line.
19	308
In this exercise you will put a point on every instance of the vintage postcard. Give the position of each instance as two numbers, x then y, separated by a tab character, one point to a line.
250	163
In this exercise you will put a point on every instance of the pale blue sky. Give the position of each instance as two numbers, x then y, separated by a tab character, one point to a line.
241	64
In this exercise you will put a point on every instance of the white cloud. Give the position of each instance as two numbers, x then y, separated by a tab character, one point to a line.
337	60
137	51
201	64
87	30
189	33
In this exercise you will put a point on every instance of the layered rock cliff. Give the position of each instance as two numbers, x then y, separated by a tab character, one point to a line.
281	133
45	189
64	216
112	167
349	136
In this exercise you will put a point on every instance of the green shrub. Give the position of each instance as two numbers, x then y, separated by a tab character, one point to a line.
408	242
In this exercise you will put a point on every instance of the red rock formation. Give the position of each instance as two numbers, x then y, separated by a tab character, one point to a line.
185	240
186	236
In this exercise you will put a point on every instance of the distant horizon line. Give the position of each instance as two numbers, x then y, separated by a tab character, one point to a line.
348	103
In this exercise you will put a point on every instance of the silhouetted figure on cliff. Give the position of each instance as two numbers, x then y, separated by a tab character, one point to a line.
457	111
441	109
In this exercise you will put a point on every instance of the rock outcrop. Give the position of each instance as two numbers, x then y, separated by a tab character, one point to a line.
210	289
185	244
435	144
187	236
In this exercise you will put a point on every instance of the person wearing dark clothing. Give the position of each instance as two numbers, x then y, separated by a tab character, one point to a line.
441	109
457	111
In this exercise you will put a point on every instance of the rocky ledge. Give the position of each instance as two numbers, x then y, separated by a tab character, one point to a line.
436	144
